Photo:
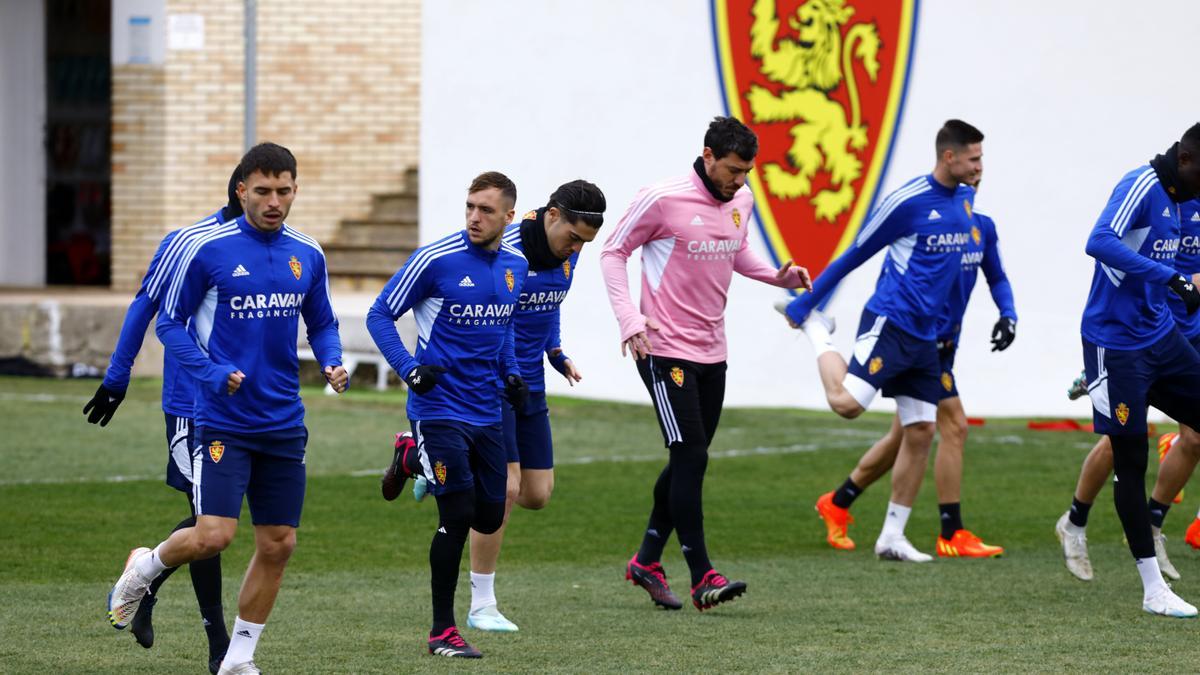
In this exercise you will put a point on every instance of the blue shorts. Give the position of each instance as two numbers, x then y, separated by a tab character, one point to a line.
1123	383
949	388
268	469
181	448
905	367
527	434
456	456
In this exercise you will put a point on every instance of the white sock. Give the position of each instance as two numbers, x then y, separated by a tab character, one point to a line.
483	590
897	518
819	335
150	566
1074	529
242	642
1152	579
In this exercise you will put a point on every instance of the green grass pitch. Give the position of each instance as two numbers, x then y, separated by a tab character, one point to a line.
75	498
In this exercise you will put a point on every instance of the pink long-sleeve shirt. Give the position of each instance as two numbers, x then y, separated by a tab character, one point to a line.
691	246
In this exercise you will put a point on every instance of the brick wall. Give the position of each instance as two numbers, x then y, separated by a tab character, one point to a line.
338	83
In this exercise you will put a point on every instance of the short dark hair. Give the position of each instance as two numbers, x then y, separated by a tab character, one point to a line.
494	179
727	134
579	200
234	208
268	158
1191	140
955	135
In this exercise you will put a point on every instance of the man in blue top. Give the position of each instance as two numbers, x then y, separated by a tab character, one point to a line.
1184	448
230	315
178	393
462	290
955	541
1134	355
927	225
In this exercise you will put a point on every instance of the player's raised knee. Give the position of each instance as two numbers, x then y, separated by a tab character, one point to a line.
489	518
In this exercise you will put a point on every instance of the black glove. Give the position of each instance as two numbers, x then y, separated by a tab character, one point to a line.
516	391
103	405
1003	334
1186	291
423	378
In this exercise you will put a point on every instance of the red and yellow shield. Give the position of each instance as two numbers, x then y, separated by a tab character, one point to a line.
677	376
1122	413
567	268
439	470
509	280
822	83
875	365
216	450
947	381
976	236
297	270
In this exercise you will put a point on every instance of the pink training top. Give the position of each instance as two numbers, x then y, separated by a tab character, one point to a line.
691	246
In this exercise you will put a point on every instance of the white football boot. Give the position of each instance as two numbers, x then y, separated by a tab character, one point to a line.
1166	603
244	668
490	619
1074	545
898	548
126	595
1160	552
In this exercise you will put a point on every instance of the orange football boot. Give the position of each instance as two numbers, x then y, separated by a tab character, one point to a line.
1193	533
1165	443
836	520
966	545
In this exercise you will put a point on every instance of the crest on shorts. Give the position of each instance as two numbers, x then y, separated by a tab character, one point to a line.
297	270
677	376
967	208
875	365
567	268
509	280
1122	413
737	218
822	84
439	470
975	235
216	450
947	381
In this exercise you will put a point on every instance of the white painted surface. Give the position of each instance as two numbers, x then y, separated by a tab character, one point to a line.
22	117
1070	95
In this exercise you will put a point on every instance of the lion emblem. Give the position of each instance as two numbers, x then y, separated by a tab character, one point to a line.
808	63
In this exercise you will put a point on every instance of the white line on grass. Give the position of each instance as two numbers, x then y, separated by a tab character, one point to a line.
41	398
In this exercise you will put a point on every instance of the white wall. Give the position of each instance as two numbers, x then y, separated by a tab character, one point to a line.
1069	94
22	116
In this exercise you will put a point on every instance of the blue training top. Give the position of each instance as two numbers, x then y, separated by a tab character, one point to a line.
536	319
178	390
1134	243
462	297
982	252
244	290
926	227
1187	261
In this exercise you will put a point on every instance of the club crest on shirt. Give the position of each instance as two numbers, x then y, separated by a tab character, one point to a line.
967	207
439	470
509	280
875	365
567	269
975	235
677	376
1122	413
216	450
297	269
737	218
947	381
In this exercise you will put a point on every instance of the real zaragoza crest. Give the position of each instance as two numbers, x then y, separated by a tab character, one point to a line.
822	84
294	264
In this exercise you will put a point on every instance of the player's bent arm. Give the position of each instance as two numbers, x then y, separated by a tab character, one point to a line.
748	264
1105	246
321	323
382	327
993	271
172	332
133	330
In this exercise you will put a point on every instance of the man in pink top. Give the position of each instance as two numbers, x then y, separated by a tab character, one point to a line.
692	231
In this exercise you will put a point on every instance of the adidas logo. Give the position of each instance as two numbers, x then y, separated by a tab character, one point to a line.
697	221
240	271
685	548
244	633
532	273
442	530
466	283
1167	211
1196	217
934	215
652	532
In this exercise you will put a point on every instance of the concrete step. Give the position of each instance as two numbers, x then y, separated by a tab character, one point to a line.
345	284
378	233
367	260
412	181
394	206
